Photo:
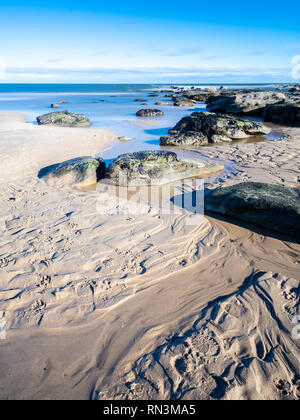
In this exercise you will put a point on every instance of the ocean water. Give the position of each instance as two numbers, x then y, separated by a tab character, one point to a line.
111	107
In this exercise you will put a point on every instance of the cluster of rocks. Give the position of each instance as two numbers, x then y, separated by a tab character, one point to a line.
278	107
295	89
155	168
202	128
248	102
131	169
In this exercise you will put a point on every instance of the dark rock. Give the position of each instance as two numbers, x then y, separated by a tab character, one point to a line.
205	127
245	103
54	106
288	113
182	101
295	89
64	119
82	171
269	206
155	168
140	100
149	113
196	95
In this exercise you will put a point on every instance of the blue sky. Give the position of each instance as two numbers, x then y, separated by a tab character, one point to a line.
155	41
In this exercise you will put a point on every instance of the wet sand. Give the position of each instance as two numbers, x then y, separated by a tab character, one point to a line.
142	306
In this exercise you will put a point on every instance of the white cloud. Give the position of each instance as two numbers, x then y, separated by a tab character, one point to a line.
296	67
32	76
148	74
2	68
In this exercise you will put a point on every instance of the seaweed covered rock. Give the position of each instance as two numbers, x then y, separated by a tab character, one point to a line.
149	113
64	119
155	168
82	171
288	113
274	207
249	103
205	127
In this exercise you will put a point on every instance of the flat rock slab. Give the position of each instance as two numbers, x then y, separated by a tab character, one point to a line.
156	168
64	119
273	207
202	128
82	171
252	103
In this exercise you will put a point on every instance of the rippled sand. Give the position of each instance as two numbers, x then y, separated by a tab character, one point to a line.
141	306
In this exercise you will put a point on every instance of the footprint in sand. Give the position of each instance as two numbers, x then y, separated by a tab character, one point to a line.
4	262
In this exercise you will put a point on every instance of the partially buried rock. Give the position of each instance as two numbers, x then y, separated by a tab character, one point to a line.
124	138
205	127
273	207
283	114
155	168
54	106
149	113
82	171
64	119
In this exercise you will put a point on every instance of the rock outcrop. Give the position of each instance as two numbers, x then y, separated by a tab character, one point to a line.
82	171
283	113
64	119
205	127
155	168
273	207
252	103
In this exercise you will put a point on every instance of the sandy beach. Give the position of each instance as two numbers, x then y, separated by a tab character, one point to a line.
145	306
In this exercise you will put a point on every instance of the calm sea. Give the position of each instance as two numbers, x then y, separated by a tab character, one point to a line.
110	106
